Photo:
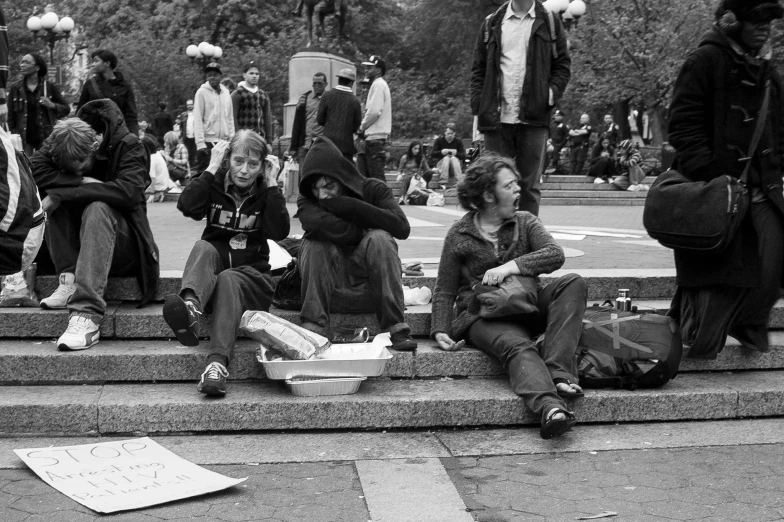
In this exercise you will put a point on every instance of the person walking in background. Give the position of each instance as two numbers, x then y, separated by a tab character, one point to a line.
580	142
213	119
105	81
251	104
559	135
721	86
448	154
34	104
162	123
520	70
186	130
305	128
340	114
377	123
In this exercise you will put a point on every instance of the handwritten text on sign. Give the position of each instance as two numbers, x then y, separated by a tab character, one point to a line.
127	474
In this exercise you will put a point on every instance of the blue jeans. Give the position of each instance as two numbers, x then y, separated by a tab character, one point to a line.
376	159
93	242
369	279
527	145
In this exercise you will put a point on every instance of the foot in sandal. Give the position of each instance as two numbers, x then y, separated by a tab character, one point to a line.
566	388
555	422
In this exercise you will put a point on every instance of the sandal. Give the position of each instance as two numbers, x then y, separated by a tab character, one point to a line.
578	392
552	427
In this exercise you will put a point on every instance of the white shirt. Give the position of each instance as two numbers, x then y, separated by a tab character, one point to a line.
189	125
377	122
515	35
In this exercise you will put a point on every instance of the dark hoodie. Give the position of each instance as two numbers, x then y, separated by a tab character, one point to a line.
122	163
239	234
118	90
367	204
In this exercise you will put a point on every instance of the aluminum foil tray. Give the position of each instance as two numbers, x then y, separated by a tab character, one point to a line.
323	368
310	387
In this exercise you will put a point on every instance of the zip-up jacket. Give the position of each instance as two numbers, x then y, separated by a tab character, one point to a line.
213	115
17	109
118	90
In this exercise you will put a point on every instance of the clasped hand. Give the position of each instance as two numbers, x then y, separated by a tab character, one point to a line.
495	276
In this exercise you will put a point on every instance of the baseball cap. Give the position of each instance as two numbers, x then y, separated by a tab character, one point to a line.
377	61
213	66
348	74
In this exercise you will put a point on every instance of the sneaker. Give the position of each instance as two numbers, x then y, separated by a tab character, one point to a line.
213	380
599	181
81	334
16	291
183	318
402	341
60	297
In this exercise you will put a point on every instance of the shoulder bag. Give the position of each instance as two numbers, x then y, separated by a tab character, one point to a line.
701	216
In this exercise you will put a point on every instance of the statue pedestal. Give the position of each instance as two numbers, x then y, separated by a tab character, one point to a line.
302	67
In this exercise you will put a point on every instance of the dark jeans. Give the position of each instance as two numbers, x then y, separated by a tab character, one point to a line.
93	242
604	168
367	280
203	158
577	156
362	163
227	293
190	145
527	144
557	157
376	159
532	367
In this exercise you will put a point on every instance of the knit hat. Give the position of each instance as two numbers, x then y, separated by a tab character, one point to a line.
324	159
754	11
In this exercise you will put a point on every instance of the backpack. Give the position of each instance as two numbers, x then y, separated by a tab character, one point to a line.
612	341
288	294
22	219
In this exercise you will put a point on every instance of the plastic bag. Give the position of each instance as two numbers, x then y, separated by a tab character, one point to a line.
277	334
435	200
416	296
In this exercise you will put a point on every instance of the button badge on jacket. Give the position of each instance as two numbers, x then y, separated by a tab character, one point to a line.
239	242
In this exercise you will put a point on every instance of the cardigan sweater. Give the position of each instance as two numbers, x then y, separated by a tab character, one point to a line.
467	255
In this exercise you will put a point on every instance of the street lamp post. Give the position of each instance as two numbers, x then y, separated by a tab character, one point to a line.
203	54
56	29
569	12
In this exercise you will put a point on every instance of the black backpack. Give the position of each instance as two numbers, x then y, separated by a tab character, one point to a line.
22	219
288	291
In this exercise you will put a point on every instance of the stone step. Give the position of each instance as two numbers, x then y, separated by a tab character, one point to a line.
39	363
583	179
602	283
125	321
176	408
598	194
603	187
593	201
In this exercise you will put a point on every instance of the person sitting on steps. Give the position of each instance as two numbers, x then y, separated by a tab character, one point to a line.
93	172
543	373
449	154
349	258
228	270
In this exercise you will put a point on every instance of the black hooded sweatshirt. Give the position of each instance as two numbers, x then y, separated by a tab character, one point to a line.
367	203
122	163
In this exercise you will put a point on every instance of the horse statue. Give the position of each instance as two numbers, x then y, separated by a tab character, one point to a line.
322	8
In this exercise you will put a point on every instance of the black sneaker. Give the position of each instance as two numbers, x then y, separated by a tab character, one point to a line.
402	341
213	380
183	318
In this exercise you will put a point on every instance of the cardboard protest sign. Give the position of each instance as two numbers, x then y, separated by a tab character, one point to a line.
126	474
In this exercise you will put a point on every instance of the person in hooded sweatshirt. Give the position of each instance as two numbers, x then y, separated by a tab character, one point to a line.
213	115
92	172
716	105
228	270
251	104
107	82
349	260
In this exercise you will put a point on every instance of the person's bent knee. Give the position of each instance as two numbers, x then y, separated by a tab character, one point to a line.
575	284
228	279
97	210
312	247
202	247
380	241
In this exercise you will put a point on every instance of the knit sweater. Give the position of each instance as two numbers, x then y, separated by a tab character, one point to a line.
341	115
252	110
467	256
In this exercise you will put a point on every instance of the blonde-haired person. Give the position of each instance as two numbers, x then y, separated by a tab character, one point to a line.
228	270
176	155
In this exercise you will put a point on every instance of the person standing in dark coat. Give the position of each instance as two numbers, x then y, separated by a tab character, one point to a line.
559	134
340	114
717	101
106	82
580	143
305	128
162	123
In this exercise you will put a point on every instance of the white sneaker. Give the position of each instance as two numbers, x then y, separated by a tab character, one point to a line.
598	181
81	334
60	297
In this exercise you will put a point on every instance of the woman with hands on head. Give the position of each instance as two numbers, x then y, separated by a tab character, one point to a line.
490	243
228	270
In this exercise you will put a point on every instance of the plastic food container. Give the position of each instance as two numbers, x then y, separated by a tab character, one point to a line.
314	387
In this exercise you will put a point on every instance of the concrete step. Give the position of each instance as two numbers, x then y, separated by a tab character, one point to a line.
602	283
584	179
604	187
178	408
140	361
593	201
598	194
125	321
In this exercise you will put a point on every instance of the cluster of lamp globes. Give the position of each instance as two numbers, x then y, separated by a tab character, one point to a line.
570	10
51	22
203	50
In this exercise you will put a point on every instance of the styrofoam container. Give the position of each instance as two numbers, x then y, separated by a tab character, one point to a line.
309	387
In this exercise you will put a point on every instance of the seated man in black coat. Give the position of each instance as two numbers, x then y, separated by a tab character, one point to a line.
349	260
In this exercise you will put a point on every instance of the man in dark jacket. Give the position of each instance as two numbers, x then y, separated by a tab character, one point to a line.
228	270
162	122
106	82
520	70
448	155
559	134
349	260
340	114
714	112
580	143
306	128
93	173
